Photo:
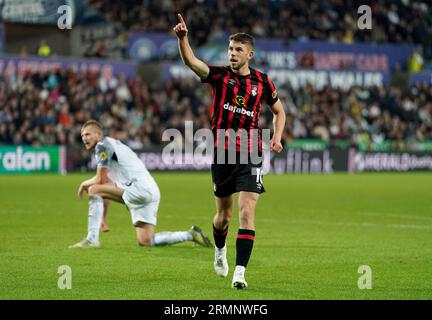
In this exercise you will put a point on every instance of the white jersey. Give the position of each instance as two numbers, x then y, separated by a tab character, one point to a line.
124	166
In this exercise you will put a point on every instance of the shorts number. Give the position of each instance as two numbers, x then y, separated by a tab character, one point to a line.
259	175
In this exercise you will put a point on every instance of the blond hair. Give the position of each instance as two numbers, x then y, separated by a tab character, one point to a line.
92	123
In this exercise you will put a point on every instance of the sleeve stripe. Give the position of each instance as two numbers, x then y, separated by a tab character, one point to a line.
270	83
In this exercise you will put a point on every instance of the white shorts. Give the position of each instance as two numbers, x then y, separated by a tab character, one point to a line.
142	201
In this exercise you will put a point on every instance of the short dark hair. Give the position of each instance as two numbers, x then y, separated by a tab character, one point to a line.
92	123
243	38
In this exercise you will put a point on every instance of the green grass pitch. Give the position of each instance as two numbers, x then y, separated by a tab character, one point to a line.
313	233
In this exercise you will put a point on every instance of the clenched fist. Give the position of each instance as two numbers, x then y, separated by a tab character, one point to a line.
276	145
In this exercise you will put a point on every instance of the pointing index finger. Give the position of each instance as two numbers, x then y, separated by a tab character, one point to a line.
180	18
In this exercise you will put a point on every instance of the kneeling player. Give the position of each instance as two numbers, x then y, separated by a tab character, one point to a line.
122	177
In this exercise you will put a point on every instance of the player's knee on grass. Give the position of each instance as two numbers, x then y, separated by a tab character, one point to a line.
144	234
144	239
144	242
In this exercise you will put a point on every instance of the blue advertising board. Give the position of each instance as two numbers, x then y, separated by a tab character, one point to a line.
277	53
151	46
299	77
421	77
18	65
1	38
334	56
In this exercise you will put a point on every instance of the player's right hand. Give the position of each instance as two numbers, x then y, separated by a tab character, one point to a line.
81	190
180	29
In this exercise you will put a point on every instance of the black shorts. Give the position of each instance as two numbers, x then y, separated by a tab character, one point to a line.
232	178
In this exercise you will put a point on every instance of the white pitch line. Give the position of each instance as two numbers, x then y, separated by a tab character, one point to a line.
394	215
365	224
288	221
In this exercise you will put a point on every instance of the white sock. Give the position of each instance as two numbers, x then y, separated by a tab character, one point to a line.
94	218
220	251
164	238
239	270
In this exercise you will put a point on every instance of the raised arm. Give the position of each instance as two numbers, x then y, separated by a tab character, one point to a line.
196	65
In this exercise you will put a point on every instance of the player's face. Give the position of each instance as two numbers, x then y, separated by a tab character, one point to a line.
239	54
90	137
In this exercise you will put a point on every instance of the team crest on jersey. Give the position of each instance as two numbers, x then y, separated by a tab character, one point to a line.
103	155
240	101
254	91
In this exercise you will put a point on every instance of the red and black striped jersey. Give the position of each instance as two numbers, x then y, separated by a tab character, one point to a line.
237	103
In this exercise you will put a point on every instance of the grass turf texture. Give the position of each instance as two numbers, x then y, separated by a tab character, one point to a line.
313	232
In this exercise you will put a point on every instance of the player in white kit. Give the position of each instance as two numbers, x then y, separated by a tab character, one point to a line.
122	177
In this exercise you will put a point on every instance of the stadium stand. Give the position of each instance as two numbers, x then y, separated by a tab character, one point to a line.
332	20
48	108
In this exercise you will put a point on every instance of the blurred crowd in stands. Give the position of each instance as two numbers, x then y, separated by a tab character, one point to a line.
49	109
395	21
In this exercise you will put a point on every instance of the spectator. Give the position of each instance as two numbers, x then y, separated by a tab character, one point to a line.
416	62
37	114
44	50
329	20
